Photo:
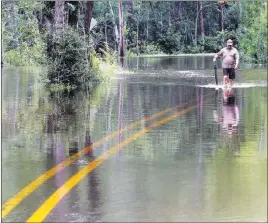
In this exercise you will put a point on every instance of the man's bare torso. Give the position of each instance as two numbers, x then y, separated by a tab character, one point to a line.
229	57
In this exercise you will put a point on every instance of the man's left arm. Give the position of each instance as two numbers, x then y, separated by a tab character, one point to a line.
236	59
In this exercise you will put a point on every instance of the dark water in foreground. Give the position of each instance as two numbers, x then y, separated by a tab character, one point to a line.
208	164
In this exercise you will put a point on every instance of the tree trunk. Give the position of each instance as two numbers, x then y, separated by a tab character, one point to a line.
137	40
222	19
59	16
2	51
73	15
240	11
106	37
169	19
115	26
66	17
196	24
161	23
78	16
131	11
46	17
147	30
121	29
202	21
179	10
13	20
88	16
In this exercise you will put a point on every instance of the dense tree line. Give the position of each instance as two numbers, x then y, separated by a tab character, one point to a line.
134	27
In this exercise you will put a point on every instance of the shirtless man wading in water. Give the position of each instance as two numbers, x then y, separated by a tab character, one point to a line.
229	63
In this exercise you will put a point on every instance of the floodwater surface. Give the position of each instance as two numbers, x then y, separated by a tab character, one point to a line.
203	159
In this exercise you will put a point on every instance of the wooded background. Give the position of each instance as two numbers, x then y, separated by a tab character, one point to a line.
136	27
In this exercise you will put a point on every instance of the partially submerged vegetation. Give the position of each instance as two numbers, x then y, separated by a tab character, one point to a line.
72	63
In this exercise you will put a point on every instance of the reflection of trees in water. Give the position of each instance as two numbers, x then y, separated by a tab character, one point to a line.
63	112
22	122
88	191
94	196
44	120
69	116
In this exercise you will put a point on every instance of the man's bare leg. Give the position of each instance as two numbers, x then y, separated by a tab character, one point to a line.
225	94
230	92
225	80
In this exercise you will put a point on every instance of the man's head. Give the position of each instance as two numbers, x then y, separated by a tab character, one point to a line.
229	44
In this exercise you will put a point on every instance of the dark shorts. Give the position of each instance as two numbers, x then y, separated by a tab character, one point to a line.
230	101
230	72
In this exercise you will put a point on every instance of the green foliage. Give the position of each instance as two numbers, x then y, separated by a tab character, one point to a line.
69	63
106	65
130	53
26	55
170	43
60	88
254	41
153	49
217	42
21	40
156	27
211	44
95	63
109	55
194	49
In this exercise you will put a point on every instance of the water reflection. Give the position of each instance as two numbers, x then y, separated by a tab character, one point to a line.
228	117
93	189
84	203
228	120
187	169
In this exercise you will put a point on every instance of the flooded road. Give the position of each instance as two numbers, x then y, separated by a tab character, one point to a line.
165	146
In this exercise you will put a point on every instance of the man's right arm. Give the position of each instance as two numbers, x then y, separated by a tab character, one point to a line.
219	54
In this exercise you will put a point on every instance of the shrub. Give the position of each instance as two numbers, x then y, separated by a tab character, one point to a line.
170	43
70	62
194	49
109	55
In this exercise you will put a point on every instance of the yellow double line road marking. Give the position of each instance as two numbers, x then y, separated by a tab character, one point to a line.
40	214
27	190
